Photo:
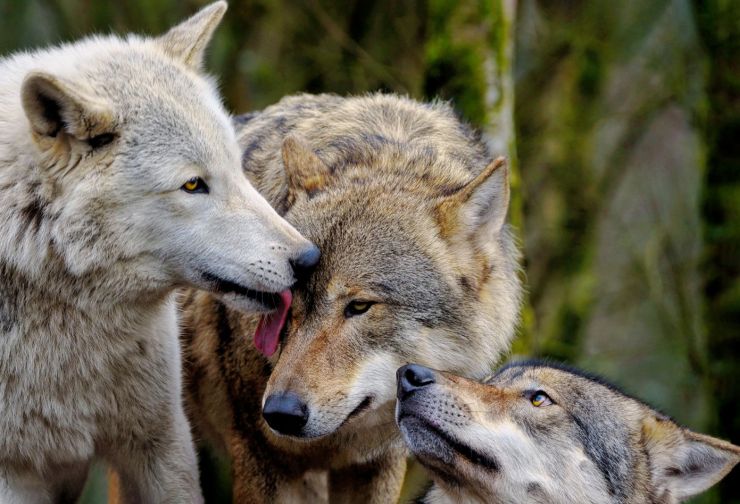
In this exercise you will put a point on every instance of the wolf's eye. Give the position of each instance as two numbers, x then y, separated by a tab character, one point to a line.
355	308
195	185
539	398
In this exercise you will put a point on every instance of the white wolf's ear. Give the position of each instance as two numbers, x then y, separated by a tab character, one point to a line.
53	106
479	206
685	463
306	173
187	41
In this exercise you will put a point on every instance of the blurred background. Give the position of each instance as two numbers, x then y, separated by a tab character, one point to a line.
622	120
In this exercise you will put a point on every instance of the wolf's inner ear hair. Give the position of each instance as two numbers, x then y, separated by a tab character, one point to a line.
53	106
481	204
187	41
685	463
306	173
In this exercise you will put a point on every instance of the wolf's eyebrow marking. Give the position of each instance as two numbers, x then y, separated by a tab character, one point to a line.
383	288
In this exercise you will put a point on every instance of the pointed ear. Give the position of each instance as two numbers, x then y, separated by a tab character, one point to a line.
306	173
53	106
187	41
685	463
479	206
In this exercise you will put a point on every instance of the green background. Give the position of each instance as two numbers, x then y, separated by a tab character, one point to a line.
626	151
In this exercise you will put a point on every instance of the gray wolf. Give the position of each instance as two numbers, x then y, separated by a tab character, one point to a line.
120	181
538	432
417	264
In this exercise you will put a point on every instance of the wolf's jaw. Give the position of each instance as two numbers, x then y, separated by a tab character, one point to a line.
269	300
470	454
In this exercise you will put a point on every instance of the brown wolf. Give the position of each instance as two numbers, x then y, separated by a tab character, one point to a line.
539	432
417	265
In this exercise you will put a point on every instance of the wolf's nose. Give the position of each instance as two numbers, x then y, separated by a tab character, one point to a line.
412	377
285	413
306	261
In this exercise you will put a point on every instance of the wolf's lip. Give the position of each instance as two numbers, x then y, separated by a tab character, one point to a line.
361	408
270	300
472	455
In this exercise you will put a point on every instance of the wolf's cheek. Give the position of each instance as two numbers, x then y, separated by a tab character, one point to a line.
375	377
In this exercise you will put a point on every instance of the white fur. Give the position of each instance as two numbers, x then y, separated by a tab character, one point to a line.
94	241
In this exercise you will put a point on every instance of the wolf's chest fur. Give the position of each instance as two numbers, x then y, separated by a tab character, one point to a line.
69	370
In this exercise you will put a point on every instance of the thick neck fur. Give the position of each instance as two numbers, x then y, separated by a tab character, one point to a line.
30	260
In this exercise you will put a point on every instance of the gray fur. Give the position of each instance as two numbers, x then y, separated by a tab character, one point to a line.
409	212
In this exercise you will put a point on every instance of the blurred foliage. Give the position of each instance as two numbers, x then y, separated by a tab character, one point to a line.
627	160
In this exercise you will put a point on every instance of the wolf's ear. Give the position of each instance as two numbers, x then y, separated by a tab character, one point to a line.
480	205
53	106
187	41
306	173
685	463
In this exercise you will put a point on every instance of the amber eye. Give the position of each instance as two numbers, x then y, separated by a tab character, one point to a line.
355	308
539	399
195	185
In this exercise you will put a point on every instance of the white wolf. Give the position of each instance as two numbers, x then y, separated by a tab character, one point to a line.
120	180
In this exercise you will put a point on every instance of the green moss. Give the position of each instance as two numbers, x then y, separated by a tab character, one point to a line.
455	52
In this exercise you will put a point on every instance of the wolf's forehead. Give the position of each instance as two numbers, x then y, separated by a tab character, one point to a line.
364	212
529	376
161	127
149	91
368	239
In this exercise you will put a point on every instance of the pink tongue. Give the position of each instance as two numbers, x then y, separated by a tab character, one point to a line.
267	335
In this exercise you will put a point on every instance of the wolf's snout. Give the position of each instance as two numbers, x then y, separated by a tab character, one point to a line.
412	377
306	261
285	413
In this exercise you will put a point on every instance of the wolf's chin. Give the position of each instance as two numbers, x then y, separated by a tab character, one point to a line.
425	441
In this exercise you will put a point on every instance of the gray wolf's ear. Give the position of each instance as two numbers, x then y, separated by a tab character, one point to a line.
479	206
187	41
53	106
685	463
306	173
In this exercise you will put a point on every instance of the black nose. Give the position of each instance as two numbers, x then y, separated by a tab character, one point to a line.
285	413
306	261
412	377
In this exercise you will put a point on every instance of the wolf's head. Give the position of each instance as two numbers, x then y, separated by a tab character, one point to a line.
139	170
409	259
538	432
